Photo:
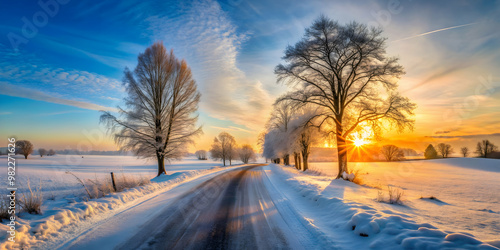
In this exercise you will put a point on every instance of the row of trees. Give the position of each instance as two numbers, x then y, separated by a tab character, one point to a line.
443	151
25	148
226	149
484	149
42	152
290	132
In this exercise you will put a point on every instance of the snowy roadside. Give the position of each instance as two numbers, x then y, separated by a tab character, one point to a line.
35	229
357	225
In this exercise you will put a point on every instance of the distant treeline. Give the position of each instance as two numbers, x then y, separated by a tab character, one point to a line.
3	151
369	153
92	152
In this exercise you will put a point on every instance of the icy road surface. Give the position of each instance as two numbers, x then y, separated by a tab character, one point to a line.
232	210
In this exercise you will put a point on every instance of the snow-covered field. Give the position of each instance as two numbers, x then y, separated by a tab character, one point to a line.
467	190
49	172
64	198
326	205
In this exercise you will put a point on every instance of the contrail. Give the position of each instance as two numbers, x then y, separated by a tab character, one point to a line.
434	31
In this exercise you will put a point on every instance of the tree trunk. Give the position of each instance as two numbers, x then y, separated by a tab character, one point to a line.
230	162
299	158
286	160
342	153
25	156
295	160
305	158
486	145
224	161
161	164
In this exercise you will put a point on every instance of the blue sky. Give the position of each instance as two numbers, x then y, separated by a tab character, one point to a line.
55	80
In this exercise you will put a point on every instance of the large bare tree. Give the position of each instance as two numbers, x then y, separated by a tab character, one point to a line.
162	101
344	70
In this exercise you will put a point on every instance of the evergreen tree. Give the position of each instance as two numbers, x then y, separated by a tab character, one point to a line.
430	152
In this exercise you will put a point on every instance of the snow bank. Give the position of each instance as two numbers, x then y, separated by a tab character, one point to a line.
465	191
34	228
357	225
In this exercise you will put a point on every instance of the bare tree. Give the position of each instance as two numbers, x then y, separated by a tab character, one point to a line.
261	139
281	116
224	148
271	149
42	152
201	154
344	70
216	152
465	151
485	148
444	149
232	152
304	135
392	153
51	152
246	153
162	98
307	137
24	147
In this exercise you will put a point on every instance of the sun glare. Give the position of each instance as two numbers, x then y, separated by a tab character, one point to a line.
362	137
358	142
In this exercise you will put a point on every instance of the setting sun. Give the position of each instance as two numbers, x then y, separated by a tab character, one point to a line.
358	142
362	137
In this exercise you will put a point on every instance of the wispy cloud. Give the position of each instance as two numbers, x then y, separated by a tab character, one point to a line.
435	31
12	90
463	136
233	128
209	41
110	98
60	113
27	70
443	132
241	129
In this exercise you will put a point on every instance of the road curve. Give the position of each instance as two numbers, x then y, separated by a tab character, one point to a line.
230	211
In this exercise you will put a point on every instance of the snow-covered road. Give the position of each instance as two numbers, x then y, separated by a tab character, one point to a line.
231	210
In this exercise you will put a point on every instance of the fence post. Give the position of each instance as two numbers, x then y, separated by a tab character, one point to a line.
113	181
